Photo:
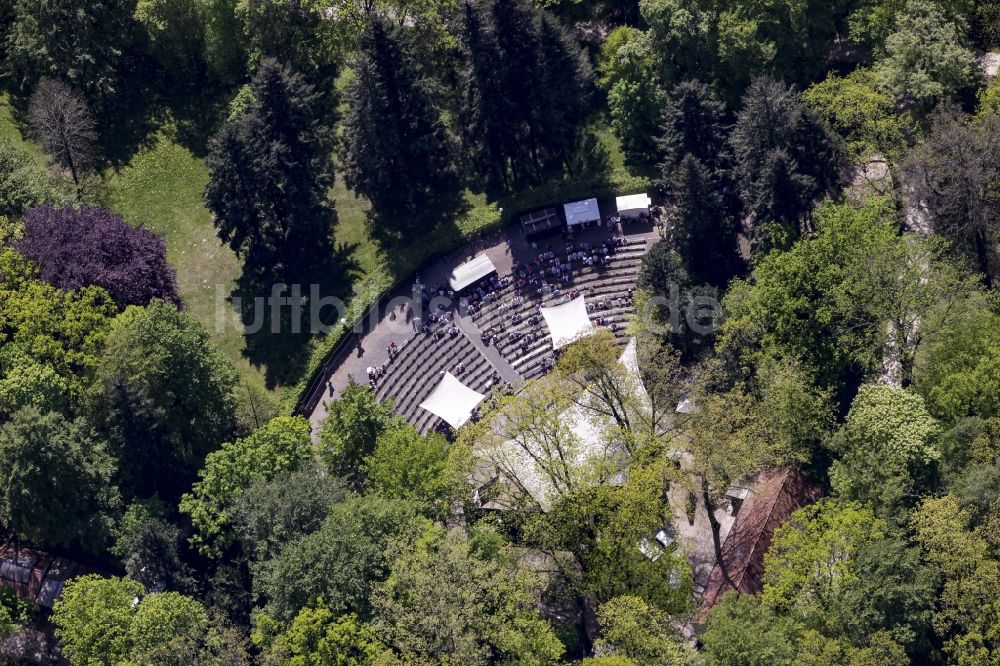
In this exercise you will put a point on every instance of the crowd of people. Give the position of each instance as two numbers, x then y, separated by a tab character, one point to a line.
549	275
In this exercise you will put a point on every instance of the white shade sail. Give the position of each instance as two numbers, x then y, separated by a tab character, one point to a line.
633	204
452	401
567	322
581	212
471	271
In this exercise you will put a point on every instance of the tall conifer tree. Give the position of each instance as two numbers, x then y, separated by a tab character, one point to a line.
397	150
270	172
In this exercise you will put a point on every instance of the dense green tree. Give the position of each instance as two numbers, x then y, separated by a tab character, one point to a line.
408	465
681	33
25	382
150	548
398	153
864	116
158	370
989	99
138	435
112	621
786	157
889	450
954	174
926	60
273	512
630	628
82	43
270	171
743	630
298	33
317	636
341	561
281	445
703	231
839	570
352	427
196	43
731	42
449	600
23	183
92	618
635	101
605	528
55	481
968	611
525	91
42	324
694	124
957	370
829	301
671	300
159	621
614	61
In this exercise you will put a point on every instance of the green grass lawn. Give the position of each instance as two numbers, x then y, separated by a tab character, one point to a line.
10	131
161	188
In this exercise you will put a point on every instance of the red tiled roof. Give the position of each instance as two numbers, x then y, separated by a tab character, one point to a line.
775	494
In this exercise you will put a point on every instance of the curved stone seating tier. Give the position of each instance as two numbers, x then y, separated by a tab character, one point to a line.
423	358
492	313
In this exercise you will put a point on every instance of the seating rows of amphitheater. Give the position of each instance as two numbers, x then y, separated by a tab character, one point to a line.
415	372
596	282
423	358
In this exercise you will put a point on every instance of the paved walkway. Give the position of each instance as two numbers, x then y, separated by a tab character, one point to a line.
472	332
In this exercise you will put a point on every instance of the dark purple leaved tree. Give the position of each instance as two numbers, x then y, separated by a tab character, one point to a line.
93	246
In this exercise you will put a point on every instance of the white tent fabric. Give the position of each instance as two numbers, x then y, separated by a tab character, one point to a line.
630	359
581	212
633	205
452	401
475	269
584	436
567	322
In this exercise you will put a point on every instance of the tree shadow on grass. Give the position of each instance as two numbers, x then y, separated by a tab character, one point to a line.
128	124
197	116
435	233
277	334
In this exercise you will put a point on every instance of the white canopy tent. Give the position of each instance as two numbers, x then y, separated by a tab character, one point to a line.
633	205
582	212
567	322
471	271
452	401
584	436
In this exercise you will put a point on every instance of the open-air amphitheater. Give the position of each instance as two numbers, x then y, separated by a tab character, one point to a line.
482	320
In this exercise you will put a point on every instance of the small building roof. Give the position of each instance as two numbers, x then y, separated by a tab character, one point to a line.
581	212
772	498
470	272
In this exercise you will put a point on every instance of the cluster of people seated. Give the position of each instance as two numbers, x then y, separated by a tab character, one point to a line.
604	321
486	291
440	323
611	302
534	278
